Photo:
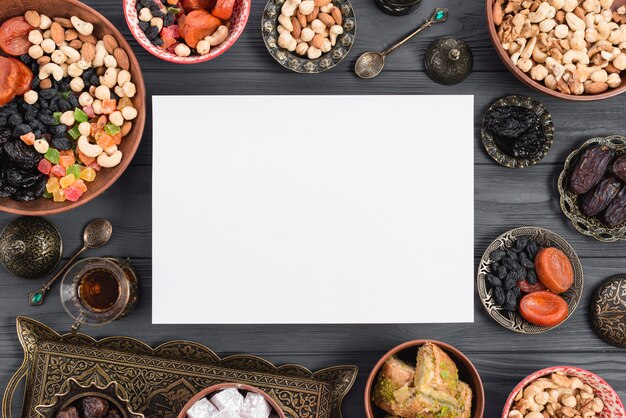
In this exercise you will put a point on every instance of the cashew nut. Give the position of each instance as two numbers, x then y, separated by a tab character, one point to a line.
218	36
573	56
203	47
109	161
289	7
90	150
614	80
71	54
539	72
84	28
51	69
334	32
285	22
302	48
540	14
101	52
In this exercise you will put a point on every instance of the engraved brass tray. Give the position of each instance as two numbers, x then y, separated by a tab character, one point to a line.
160	381
592	226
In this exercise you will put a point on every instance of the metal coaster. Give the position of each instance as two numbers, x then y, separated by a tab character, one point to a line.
608	311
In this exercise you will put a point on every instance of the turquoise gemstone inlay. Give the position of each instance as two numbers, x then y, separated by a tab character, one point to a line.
440	14
37	298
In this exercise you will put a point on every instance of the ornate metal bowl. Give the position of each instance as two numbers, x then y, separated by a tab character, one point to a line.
543	237
589	225
302	64
30	247
72	391
548	130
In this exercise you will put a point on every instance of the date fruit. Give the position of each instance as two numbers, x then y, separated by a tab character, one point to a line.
616	212
94	407
599	198
543	308
554	269
590	168
619	168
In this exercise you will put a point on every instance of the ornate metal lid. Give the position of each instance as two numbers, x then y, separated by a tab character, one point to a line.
608	311
448	60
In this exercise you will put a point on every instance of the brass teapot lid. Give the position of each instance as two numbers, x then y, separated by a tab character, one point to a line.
608	310
448	60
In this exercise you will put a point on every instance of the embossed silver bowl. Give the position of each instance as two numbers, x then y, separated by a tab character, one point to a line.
302	64
592	226
30	247
542	237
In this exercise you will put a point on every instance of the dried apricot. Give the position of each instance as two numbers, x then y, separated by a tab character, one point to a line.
24	77
9	74
543	308
554	269
14	36
224	9
197	25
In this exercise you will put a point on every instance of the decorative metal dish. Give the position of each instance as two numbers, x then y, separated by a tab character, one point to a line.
159	381
548	130
302	64
545	238
608	310
72	391
589	225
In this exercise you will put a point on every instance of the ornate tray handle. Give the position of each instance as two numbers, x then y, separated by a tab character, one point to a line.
9	393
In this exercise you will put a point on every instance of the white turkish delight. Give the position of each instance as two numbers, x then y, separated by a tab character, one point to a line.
202	409
227	413
255	406
228	399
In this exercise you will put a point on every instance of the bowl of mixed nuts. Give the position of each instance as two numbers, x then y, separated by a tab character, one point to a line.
308	36
570	49
72	105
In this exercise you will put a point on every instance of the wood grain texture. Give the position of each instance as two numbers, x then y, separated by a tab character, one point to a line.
504	199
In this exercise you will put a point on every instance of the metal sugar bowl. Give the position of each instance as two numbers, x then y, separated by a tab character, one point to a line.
448	60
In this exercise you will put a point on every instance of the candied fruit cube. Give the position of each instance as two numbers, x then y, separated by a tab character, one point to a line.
117	138
52	155
44	166
74	169
66	160
58	195
94	165
28	138
85	159
124	102
89	111
109	106
88	174
80	115
67	181
80	185
105	141
52	185
72	193
58	170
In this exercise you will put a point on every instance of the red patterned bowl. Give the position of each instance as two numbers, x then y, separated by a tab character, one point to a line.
613	407
238	21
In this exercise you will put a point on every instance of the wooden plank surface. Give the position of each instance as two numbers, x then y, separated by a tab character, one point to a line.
504	199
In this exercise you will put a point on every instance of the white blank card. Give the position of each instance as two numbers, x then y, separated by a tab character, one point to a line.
313	209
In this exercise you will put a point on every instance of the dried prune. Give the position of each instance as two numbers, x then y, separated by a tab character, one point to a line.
616	212
21	154
517	131
590	168
497	255
493	280
69	412
499	295
599	198
619	168
17	178
94	407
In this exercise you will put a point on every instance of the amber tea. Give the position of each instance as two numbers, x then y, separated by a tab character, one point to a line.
98	290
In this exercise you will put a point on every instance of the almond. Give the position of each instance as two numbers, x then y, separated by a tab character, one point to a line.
597	88
301	19
578	11
45	83
336	14
297	29
326	19
122	58
66	23
126	127
71	34
611	69
33	18
110	43
88	52
318	41
90	39
44	60
77	44
320	3
313	15
57	33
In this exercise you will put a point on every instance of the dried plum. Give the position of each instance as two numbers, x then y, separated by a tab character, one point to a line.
94	407
599	198
21	154
590	168
517	131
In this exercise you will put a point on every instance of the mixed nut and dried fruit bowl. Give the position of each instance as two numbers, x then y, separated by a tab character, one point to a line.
73	120
570	49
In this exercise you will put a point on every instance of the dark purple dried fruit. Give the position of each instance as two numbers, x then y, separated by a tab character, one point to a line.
510	281
599	198
511	264
69	412
526	263
499	295
531	277
493	280
517	131
94	407
590	168
510	303
531	249
616	212
521	243
619	168
497	255
512	255
501	273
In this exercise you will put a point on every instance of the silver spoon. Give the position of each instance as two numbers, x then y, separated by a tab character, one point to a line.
370	64
97	233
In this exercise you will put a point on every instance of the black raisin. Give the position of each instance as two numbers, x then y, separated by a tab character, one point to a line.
531	277
152	32
521	243
15	120
511	301
144	26
526	263
20	130
62	143
48	93
497	255
510	281
168	19
502	271
511	264
511	254
499	295
531	249
493	280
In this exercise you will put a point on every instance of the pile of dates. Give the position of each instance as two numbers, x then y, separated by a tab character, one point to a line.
516	130
512	272
89	407
599	178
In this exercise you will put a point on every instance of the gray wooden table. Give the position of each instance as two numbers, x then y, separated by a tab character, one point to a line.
504	199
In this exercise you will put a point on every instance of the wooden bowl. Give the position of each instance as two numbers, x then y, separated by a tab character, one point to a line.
408	352
107	176
206	393
613	407
525	78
